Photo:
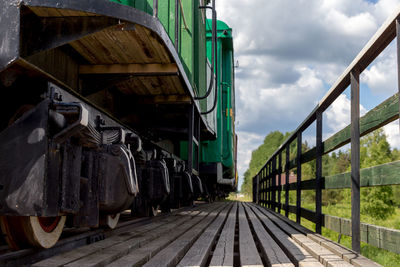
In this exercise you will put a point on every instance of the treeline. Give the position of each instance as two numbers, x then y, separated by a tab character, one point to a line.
378	201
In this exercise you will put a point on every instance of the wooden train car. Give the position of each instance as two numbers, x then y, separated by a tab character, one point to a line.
108	106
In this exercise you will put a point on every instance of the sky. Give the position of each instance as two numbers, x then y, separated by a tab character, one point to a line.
290	52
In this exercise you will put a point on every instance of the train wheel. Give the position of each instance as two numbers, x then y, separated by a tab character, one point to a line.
26	231
110	221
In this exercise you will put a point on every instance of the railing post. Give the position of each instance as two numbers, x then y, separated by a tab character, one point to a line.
273	184
279	181
260	187
265	188
287	180
261	179
271	189
318	174
268	187
298	183
398	59
355	160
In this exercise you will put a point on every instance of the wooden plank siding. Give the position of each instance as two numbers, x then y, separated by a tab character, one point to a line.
384	174
119	55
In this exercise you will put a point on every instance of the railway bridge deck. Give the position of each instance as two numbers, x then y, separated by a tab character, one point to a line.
217	234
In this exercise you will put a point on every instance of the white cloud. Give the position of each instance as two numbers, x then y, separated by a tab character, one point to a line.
381	77
290	52
392	134
247	143
338	114
286	104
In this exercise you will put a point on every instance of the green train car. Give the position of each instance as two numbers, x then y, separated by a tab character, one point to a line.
112	105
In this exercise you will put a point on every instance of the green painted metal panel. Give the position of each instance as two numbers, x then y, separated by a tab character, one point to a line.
194	49
144	5
222	148
186	45
166	15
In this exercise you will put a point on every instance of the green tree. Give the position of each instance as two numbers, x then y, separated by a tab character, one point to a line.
259	156
376	201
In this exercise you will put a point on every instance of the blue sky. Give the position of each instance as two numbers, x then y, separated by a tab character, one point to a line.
291	52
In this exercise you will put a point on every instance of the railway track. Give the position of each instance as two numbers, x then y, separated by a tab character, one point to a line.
217	234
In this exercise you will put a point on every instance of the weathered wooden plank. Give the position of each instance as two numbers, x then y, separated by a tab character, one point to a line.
224	251
120	236
142	34
165	99
136	69
152	85
271	251
247	248
298	255
384	174
324	255
174	252
59	64
336	248
105	256
199	252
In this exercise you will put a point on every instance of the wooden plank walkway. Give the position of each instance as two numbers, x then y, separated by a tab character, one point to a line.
217	234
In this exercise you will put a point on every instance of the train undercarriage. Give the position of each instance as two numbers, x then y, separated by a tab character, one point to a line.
96	107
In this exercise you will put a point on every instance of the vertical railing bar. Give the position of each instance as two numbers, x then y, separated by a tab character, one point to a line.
318	174
258	189
287	180
267	182
273	179
398	59
298	183
261	189
279	181
270	184
355	160
260	179
266	186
